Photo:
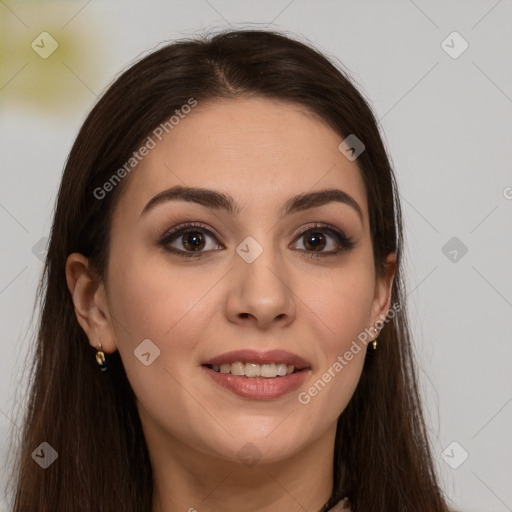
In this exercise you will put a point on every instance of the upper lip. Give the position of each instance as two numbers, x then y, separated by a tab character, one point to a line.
254	356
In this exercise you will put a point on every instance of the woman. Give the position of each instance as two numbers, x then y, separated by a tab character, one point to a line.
225	251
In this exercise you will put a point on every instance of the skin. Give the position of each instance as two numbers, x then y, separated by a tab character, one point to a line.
261	152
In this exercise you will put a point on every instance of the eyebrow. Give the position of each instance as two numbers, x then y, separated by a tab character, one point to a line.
222	201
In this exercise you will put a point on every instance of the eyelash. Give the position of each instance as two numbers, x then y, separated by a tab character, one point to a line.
343	240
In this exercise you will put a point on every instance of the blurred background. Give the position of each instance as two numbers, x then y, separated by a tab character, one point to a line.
438	76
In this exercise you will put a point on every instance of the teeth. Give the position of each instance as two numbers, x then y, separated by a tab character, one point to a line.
252	370
281	369
268	370
237	368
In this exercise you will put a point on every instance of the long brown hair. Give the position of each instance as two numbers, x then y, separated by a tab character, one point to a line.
382	459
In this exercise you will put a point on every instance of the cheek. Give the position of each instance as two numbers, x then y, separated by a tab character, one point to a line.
152	300
341	301
341	310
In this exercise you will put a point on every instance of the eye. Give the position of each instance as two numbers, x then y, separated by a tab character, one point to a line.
321	236
189	240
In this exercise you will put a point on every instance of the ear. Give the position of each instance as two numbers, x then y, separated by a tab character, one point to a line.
90	302
382	296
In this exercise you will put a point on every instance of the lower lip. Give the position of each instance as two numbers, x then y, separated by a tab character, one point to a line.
260	388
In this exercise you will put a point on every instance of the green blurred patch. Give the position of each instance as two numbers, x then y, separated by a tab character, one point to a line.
62	81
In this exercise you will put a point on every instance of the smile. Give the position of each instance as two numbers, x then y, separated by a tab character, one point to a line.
258	375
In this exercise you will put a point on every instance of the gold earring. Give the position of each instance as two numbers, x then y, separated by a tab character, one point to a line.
100	358
374	342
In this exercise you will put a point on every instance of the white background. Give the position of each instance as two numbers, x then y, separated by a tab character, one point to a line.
447	124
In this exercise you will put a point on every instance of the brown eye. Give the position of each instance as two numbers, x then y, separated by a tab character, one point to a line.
190	240
193	241
315	241
323	240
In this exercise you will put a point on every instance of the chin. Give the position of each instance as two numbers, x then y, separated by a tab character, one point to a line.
261	446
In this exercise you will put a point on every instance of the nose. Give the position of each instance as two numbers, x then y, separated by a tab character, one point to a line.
261	292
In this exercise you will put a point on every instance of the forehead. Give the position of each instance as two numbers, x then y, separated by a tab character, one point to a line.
257	150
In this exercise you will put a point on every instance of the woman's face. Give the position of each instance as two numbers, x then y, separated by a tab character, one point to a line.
279	285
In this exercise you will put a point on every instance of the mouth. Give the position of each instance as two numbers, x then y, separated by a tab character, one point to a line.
258	375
